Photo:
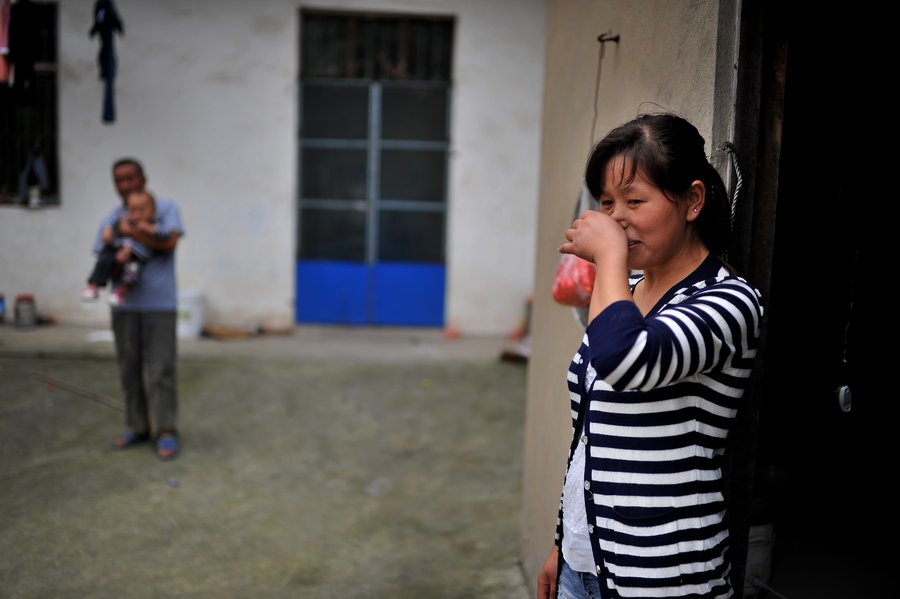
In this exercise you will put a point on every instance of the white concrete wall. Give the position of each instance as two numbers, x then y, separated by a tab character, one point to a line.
206	98
665	60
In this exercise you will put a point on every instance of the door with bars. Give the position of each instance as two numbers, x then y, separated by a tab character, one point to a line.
373	147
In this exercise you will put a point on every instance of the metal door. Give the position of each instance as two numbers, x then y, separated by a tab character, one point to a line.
373	154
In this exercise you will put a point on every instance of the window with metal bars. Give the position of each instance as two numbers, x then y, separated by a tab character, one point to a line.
29	163
374	136
376	47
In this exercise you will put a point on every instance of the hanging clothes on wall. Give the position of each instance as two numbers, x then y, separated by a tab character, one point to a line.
106	23
5	9
24	38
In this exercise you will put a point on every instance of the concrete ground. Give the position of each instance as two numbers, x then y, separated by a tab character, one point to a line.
326	463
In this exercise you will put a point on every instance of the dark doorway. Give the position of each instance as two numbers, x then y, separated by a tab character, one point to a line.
823	465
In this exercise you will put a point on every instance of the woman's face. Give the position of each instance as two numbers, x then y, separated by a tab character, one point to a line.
658	229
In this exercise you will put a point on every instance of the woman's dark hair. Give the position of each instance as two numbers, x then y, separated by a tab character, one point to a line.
669	151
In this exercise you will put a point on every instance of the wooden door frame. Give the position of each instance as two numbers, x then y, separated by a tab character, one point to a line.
761	61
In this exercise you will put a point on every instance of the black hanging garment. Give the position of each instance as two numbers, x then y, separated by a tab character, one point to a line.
106	23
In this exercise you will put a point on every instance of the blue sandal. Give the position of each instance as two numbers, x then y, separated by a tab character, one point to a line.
167	448
129	438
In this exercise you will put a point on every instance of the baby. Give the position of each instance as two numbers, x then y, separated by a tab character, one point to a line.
121	259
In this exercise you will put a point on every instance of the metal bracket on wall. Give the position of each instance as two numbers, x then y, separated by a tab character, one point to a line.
608	37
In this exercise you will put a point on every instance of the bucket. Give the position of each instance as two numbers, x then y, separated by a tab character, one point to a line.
190	314
26	313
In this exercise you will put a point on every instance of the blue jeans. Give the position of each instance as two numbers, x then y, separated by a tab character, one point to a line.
577	585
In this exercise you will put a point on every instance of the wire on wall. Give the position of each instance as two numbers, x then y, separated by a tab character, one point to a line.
584	200
602	38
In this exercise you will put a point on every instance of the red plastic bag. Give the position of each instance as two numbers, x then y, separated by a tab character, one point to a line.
574	281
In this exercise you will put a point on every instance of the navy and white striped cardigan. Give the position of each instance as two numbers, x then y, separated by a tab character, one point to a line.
666	392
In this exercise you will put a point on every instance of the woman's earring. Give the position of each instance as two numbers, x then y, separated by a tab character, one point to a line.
695	210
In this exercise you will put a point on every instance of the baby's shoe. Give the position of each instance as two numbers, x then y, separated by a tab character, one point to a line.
116	298
89	293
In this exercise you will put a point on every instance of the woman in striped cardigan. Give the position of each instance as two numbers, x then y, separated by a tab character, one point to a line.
658	379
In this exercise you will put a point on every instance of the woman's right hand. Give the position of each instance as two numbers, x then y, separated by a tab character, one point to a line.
594	236
598	238
546	583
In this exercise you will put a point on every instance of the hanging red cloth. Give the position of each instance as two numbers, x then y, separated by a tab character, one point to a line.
5	6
